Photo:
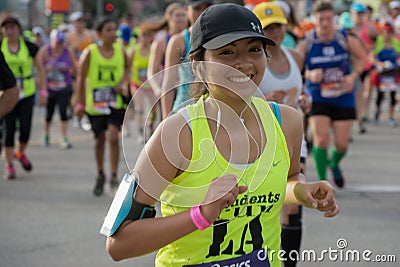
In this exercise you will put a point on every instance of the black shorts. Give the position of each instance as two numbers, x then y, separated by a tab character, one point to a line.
334	112
100	123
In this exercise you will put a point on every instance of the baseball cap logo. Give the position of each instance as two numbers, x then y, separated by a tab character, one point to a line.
256	27
268	12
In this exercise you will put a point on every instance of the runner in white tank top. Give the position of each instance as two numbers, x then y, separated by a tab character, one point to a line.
290	82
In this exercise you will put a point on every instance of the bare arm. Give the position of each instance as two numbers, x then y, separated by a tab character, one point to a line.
38	61
157	53
122	86
359	60
73	69
301	50
156	166
173	56
83	66
292	127
319	195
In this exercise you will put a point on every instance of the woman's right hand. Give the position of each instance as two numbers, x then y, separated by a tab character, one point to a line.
315	75
223	192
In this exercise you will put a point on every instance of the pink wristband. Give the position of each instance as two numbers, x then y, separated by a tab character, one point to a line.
198	219
79	106
44	93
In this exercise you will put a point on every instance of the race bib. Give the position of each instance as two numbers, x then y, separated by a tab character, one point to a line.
332	83
103	99
142	75
387	84
56	81
257	258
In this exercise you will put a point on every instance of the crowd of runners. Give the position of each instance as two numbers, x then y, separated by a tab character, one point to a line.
126	78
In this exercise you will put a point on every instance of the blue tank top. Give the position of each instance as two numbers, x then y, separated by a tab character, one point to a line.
185	76
333	57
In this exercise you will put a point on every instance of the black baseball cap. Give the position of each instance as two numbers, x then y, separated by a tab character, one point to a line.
12	20
223	24
196	3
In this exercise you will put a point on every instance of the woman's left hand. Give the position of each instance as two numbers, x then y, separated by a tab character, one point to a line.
319	195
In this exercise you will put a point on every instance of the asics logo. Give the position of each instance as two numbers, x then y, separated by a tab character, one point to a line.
276	163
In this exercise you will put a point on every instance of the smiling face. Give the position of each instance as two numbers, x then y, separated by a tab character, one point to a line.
246	61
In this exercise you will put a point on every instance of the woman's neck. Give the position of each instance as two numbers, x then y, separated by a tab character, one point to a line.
13	40
227	106
106	46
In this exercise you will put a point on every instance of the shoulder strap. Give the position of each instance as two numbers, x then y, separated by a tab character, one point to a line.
309	37
341	37
276	110
186	36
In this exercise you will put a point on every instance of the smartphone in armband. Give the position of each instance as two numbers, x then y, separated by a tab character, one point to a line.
120	206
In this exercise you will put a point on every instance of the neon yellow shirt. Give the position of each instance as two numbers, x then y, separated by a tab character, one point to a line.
21	64
253	225
102	77
139	67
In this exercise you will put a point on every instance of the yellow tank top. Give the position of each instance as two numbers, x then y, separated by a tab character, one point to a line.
253	220
21	64
103	75
139	67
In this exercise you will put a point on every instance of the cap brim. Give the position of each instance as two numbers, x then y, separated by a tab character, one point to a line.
268	21
228	38
9	20
197	3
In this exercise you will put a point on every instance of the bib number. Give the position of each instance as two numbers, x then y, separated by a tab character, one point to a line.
103	99
387	84
142	75
257	258
56	81
332	85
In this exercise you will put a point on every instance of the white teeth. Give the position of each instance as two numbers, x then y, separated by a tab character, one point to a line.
239	79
